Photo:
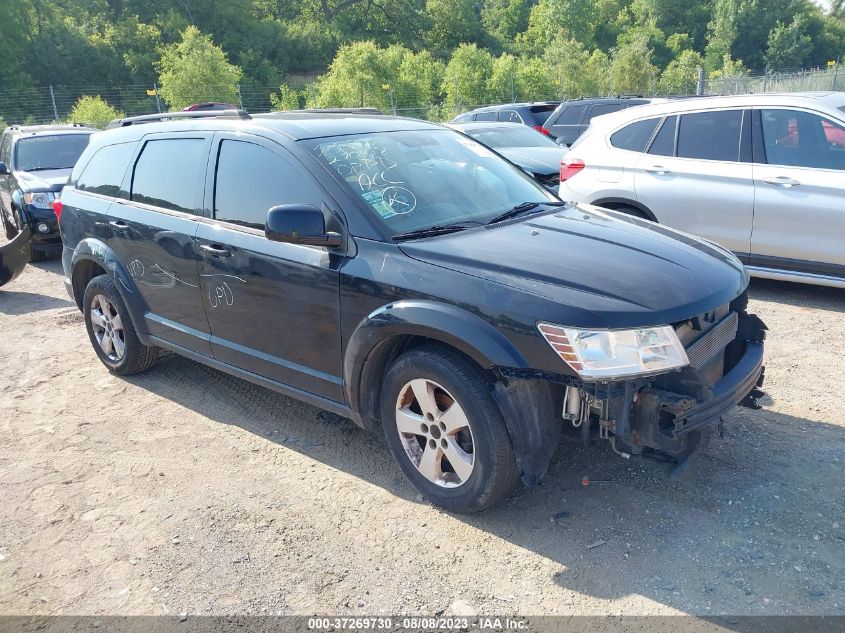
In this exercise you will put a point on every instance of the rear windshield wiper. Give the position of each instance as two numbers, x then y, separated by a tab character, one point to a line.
525	207
431	231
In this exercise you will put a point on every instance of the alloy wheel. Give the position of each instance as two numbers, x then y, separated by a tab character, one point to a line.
108	328
435	433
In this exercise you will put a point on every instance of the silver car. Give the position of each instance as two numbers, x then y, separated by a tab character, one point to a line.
762	175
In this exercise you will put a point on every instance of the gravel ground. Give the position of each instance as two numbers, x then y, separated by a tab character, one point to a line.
186	490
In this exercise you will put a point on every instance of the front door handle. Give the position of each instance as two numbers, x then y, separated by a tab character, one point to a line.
658	169
215	250
782	181
118	225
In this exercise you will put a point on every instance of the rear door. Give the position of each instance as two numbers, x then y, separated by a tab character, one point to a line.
799	180
273	308
152	234
566	126
696	176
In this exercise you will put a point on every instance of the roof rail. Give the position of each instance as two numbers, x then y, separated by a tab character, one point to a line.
170	116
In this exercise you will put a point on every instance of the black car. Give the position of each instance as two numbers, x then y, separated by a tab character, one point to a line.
35	162
401	275
571	118
532	114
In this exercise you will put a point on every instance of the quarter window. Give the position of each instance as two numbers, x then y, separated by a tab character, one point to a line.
664	142
710	135
104	172
634	137
802	139
605	108
485	116
167	173
510	116
251	179
571	115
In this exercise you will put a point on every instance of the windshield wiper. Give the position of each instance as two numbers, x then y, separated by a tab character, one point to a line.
525	207
44	168
431	231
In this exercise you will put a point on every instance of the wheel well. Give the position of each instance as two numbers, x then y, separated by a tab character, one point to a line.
617	204
83	272
375	366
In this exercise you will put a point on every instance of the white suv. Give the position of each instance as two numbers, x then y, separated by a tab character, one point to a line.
762	175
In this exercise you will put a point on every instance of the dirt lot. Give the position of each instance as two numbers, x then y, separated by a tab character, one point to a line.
185	490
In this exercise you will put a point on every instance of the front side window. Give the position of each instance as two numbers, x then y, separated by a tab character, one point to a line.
485	116
507	136
571	115
251	179
40	153
634	136
167	172
417	179
104	172
801	139
710	135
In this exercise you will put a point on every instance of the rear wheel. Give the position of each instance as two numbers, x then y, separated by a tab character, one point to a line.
632	211
445	431
111	331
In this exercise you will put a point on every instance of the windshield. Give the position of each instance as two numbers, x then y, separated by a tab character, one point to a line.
60	151
516	136
417	179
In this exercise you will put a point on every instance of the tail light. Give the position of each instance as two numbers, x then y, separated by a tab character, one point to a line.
569	167
58	208
542	130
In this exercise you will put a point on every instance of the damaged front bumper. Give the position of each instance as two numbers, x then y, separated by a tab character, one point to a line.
14	256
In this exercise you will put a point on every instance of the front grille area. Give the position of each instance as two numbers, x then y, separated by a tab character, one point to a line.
705	338
713	342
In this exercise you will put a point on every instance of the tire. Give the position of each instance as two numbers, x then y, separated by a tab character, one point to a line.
36	256
111	330
465	462
632	211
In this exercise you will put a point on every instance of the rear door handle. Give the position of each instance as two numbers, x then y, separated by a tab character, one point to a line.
118	225
658	169
215	250
782	181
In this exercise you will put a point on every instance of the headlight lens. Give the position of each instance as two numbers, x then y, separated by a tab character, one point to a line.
609	354
42	200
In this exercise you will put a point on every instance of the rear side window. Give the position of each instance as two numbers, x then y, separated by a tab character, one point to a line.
250	179
166	173
664	142
710	135
485	116
634	137
571	115
605	108
104	172
510	116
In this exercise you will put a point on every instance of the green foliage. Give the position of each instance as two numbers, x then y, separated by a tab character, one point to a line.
681	75
789	44
286	99
196	70
575	71
452	23
466	77
93	111
631	70
504	20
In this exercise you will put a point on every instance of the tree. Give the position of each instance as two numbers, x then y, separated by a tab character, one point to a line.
196	70
286	99
722	32
93	111
452	23
631	70
357	77
789	45
681	75
575	71
466	77
505	19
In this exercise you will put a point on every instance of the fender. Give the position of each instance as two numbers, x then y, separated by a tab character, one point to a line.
613	203
97	251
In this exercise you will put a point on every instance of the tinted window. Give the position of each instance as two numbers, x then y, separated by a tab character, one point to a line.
5	144
605	108
801	139
36	153
710	135
571	115
510	136
166	173
104	172
510	116
634	136
464	118
664	142
486	116
251	179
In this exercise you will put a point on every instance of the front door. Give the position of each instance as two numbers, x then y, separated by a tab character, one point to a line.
152	234
273	308
694	177
799	211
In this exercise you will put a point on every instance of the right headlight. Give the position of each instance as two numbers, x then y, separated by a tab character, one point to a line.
611	354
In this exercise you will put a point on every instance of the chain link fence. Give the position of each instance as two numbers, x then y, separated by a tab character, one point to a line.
47	104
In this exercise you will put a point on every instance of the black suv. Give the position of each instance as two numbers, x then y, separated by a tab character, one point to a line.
532	114
404	276
35	162
571	118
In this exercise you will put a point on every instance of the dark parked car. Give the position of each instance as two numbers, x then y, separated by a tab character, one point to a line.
209	106
533	114
572	118
402	275
531	150
35	162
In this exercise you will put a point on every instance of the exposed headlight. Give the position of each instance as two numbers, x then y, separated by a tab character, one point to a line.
609	354
42	200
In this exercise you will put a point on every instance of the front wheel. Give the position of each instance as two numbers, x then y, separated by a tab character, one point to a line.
445	431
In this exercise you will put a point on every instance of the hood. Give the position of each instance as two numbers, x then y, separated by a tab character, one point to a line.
537	160
47	180
597	268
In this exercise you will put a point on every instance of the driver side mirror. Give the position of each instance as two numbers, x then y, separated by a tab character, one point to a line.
4	171
299	224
